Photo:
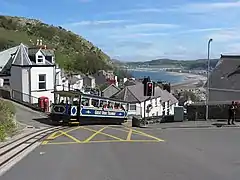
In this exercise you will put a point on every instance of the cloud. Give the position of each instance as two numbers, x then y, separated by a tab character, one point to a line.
186	8
150	26
142	10
206	7
225	35
94	23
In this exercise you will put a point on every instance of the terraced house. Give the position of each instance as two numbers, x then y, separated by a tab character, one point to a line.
29	71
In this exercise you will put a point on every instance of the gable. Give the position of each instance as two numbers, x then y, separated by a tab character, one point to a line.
226	74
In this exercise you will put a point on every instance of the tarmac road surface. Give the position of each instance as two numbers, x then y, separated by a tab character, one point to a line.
120	153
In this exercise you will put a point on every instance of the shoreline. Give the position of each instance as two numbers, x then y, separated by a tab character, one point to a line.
189	79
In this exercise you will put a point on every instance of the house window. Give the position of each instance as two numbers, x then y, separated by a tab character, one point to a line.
168	104
40	59
132	107
156	103
42	81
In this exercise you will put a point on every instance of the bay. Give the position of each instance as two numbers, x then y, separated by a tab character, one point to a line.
157	75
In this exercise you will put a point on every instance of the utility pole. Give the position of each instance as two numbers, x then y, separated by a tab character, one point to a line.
208	80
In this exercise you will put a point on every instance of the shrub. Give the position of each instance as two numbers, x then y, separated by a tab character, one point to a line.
7	124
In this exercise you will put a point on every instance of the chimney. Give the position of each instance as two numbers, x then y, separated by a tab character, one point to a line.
40	42
37	42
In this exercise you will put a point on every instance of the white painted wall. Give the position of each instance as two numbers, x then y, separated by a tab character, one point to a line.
35	91
25	84
16	78
39	53
156	110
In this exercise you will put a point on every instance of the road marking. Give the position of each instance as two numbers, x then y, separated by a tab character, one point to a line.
138	133
109	135
92	136
129	135
71	137
102	141
147	135
76	128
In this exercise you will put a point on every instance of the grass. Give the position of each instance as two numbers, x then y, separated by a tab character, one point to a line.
7	121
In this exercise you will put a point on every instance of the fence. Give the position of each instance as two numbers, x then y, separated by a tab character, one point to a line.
25	99
22	98
217	111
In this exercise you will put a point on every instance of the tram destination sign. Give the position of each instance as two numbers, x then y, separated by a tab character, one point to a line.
94	112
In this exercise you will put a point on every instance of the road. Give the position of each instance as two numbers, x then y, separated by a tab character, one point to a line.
120	153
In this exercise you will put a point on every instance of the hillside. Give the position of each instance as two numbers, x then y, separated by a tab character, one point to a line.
73	52
186	64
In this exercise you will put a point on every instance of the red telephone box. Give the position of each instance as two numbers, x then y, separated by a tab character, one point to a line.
43	103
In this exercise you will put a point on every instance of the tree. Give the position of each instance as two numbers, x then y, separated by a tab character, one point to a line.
187	95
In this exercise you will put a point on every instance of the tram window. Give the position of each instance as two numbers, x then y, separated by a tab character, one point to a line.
85	101
75	103
110	105
103	103
117	106
95	102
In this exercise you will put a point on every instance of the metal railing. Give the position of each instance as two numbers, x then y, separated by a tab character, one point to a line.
24	98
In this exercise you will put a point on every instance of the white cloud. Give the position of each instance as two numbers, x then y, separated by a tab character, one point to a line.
135	35
150	26
186	8
226	35
207	7
94	23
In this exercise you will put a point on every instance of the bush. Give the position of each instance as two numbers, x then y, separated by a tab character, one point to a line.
7	124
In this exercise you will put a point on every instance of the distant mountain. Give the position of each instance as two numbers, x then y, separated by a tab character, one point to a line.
186	64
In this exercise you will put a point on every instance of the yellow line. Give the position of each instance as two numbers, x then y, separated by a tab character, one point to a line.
52	136
145	134
129	135
71	137
109	135
102	141
76	128
92	136
44	142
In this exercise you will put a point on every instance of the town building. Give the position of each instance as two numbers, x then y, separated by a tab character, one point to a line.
224	84
162	103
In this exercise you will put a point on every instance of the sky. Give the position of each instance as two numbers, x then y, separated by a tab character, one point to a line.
139	30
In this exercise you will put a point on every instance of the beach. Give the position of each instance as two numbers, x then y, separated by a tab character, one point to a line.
190	80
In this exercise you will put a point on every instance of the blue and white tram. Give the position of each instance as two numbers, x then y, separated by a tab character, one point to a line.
88	109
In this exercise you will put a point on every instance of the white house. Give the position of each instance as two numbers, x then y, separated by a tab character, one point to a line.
68	82
162	103
30	72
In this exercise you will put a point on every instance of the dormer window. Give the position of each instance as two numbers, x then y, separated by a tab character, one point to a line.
40	59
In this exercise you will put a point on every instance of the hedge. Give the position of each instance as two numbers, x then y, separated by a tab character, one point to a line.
7	121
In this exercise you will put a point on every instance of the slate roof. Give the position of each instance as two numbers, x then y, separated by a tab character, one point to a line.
111	85
46	52
134	94
21	58
6	55
225	78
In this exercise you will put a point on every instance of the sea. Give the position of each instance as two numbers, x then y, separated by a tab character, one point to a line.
157	75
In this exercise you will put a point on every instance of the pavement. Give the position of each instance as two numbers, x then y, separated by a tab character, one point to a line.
122	153
29	117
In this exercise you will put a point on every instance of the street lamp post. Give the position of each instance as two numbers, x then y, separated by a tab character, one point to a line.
208	80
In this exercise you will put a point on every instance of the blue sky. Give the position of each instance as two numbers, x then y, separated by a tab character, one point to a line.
132	30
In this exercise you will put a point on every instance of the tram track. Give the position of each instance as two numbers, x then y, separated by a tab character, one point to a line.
12	149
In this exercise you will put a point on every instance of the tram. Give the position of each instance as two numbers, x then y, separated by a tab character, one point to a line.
74	107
